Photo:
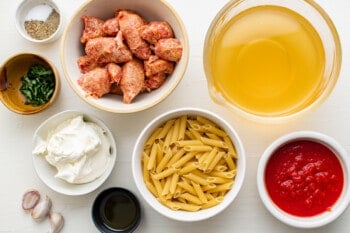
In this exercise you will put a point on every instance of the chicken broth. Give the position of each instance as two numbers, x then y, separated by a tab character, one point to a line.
268	60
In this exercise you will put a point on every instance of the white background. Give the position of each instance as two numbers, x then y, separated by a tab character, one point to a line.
246	214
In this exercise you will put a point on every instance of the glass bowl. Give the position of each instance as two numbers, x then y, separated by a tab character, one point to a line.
271	59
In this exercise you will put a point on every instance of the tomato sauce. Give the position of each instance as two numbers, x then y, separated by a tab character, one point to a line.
304	178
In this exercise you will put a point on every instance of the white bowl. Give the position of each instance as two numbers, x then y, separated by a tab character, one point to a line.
71	49
316	220
179	214
24	9
46	172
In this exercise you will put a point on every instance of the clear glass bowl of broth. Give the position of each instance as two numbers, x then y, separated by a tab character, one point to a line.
271	59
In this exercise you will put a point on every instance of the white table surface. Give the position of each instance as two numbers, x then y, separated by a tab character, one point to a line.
246	214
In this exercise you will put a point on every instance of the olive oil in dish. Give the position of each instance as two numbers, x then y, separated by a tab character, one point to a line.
268	61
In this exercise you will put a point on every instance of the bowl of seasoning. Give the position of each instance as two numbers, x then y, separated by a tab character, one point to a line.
29	83
39	21
116	210
276	69
303	179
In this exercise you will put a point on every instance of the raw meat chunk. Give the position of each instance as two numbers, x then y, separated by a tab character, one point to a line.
156	65
115	72
92	28
156	30
85	64
130	24
108	49
133	80
96	82
169	49
111	27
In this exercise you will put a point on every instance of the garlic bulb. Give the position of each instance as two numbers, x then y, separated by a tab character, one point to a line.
30	199
42	209
56	222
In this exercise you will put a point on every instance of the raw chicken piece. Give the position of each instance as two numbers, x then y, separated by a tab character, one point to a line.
133	80
85	64
111	27
92	28
108	49
155	81
156	65
115	72
155	31
95	82
130	24
169	49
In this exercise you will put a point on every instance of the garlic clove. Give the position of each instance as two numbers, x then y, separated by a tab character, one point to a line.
30	199
42	209
56	222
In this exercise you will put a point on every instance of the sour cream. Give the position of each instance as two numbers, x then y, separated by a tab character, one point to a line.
79	150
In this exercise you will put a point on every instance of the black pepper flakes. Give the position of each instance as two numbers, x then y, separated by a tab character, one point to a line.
41	30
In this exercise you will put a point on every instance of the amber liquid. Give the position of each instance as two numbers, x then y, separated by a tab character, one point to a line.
269	61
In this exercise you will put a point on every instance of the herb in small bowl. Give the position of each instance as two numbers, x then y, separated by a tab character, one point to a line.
38	85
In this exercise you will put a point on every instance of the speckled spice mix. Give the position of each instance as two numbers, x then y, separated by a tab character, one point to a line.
41	30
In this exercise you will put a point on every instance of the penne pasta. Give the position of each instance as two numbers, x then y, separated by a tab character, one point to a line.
198	148
188	207
189	163
187	187
164	161
174	182
152	157
183	143
222	174
151	188
145	171
215	161
212	202
205	121
221	187
166	188
213	136
189	167
199	192
175	132
176	157
231	148
191	198
196	179
212	129
214	142
165	173
187	157
182	129
152	138
196	134
165	129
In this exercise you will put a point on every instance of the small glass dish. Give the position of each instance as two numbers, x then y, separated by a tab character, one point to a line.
116	210
39	21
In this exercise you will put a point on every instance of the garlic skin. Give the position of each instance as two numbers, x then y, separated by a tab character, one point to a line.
30	199
42	209
56	222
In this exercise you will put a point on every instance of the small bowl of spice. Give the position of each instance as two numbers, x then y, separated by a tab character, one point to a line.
39	21
303	179
29	83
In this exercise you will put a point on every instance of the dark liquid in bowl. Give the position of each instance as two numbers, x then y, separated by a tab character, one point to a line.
118	211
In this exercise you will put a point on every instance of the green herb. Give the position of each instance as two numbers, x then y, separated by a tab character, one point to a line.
38	85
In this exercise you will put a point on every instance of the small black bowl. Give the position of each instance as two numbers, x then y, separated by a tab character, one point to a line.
116	210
